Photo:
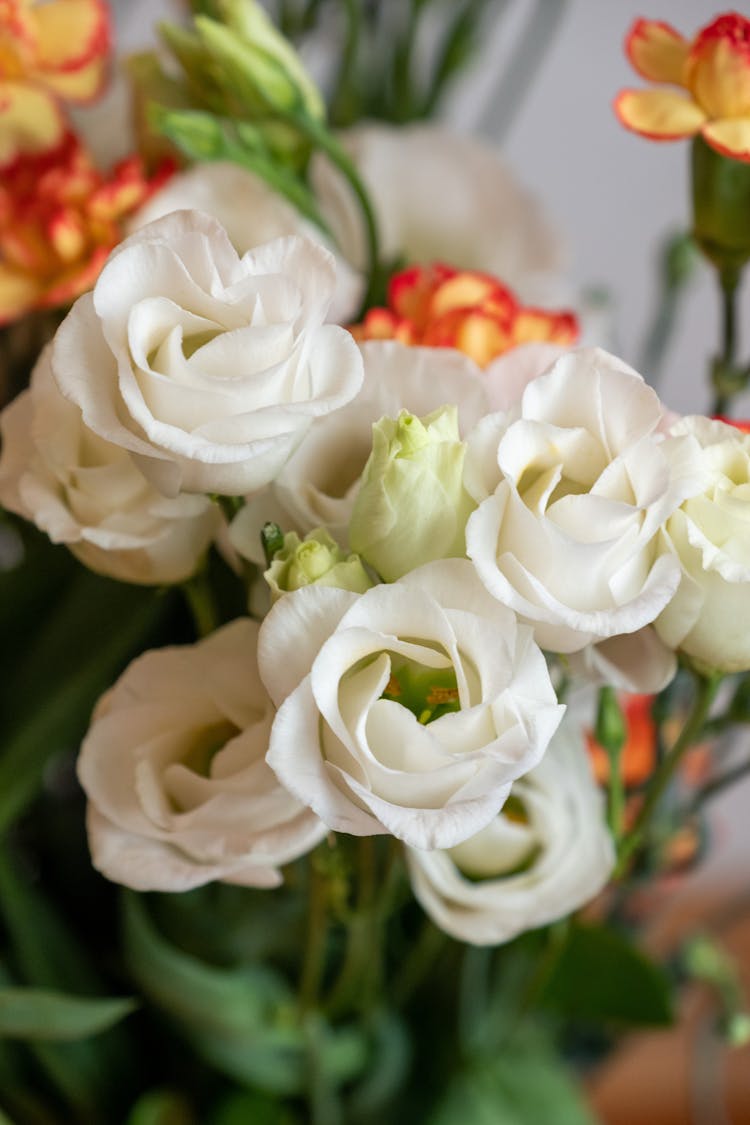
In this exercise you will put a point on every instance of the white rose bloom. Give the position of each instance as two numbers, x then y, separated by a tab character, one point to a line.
88	494
440	196
207	367
709	616
174	769
409	709
546	854
319	484
251	212
584	483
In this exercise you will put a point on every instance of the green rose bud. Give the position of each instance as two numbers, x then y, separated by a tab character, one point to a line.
315	560
412	506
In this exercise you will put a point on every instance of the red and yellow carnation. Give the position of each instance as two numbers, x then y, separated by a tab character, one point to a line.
438	306
59	219
48	52
713	72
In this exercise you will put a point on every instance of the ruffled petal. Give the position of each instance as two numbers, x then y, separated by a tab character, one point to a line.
72	45
657	51
660	115
30	121
730	137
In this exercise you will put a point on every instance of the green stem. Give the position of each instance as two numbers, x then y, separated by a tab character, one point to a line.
615	794
344	104
707	687
418	962
200	599
323	139
728	280
317	932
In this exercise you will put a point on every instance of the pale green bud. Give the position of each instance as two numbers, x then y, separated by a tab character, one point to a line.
412	506
257	62
315	560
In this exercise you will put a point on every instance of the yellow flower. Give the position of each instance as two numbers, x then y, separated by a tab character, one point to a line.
713	70
48	51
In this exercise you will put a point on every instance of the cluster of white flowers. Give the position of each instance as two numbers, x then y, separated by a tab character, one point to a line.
445	525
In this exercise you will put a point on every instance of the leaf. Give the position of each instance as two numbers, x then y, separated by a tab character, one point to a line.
29	1013
243	1021
599	975
60	673
49	957
526	1085
243	1108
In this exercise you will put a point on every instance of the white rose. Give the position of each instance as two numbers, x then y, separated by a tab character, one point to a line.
251	212
207	367
440	196
87	493
546	854
175	773
709	616
409	709
319	484
569	537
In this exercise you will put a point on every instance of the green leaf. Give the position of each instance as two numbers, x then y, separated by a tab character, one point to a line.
243	1021
96	626
243	1108
601	976
29	1013
526	1085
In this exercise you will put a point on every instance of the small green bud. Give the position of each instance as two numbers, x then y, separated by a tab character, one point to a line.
737	1029
412	507
315	560
258	65
611	728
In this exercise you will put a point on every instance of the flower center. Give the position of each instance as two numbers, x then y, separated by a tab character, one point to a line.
427	692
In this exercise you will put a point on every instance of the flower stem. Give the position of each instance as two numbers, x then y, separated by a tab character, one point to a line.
200	599
317	932
707	687
323	139
727	380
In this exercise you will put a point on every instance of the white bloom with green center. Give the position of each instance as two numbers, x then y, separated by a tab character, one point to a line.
546	854
412	506
174	769
315	560
709	616
409	709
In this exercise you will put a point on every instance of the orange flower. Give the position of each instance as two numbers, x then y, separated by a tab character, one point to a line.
714	72
438	306
59	219
48	51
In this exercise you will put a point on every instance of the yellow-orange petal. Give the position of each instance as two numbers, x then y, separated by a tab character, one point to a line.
660	115
30	121
71	33
657	51
479	335
537	326
410	291
730	137
717	70
18	293
470	289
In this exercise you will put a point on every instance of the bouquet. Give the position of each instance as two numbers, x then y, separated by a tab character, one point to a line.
391	631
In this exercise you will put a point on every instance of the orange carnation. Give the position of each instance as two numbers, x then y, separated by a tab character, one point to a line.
440	307
48	52
59	219
713	72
